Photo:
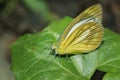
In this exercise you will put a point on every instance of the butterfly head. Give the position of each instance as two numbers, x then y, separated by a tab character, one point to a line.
57	50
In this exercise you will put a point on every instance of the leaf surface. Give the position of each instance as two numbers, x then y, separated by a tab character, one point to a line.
31	59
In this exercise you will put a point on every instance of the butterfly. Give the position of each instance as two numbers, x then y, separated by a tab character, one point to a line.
83	35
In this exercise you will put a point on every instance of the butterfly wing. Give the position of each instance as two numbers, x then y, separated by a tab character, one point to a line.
84	39
94	12
83	34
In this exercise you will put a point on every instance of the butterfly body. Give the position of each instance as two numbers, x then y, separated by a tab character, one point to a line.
83	34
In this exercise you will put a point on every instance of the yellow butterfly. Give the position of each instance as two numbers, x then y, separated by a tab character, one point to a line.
84	34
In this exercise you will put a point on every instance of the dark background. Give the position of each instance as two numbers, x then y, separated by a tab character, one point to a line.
18	17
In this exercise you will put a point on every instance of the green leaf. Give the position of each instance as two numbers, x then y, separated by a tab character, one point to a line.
109	58
30	60
37	6
41	8
112	76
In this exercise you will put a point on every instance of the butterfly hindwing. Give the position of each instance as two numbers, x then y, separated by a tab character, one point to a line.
84	39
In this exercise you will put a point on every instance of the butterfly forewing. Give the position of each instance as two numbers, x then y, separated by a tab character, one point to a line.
94	12
83	34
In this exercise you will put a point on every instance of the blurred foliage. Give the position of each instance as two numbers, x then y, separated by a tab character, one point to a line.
41	8
22	16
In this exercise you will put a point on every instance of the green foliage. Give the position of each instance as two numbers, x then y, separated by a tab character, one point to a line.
30	60
41	8
112	76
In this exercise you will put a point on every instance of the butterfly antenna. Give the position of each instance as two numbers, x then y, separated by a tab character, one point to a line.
67	58
59	58
48	54
51	51
54	56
